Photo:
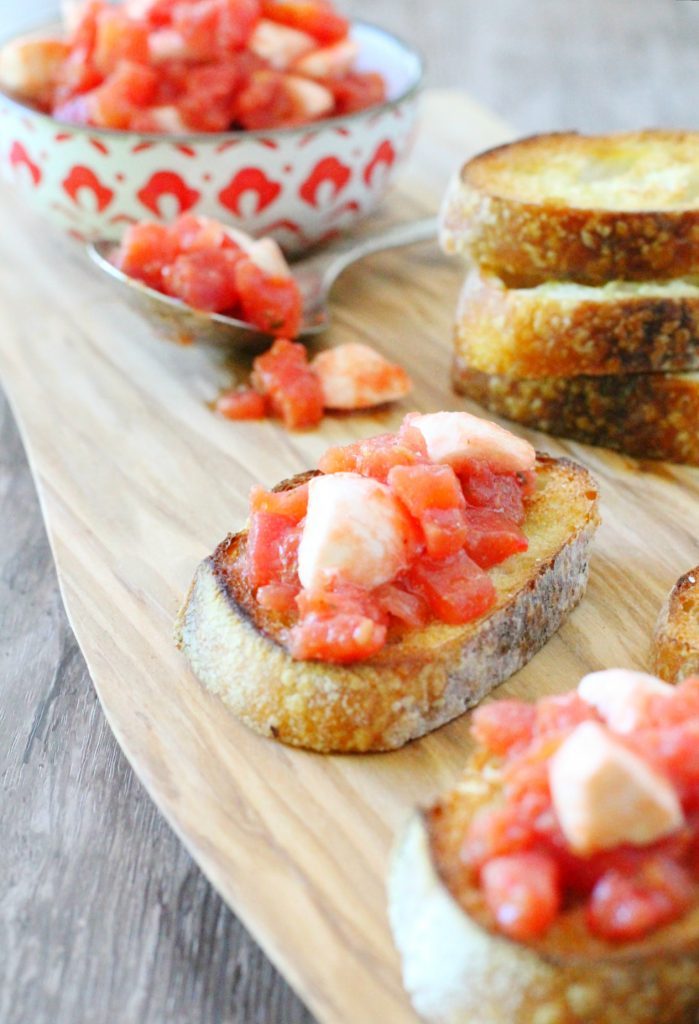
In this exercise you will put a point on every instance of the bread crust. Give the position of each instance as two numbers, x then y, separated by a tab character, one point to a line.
459	970
528	241
676	635
421	678
648	415
544	332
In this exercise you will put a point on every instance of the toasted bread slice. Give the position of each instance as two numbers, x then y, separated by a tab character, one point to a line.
649	415
458	969
563	329
422	678
676	636
581	208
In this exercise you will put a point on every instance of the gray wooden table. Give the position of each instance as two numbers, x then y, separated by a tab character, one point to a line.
104	917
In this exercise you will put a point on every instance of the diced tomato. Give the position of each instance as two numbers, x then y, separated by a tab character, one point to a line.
130	86
283	374
209	27
681	705
267	102
445	531
496	833
491	536
277	597
422	487
145	249
674	750
210	94
271	303
204	279
241	404
523	893
376	456
193	233
456	589
341	597
357	91
338	638
272	544
292	503
313	16
400	602
560	714
624	908
503	725
502	492
119	38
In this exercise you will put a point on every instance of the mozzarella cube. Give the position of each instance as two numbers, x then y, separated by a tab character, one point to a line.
458	437
605	795
355	530
266	254
621	695
356	376
28	65
330	61
312	98
279	45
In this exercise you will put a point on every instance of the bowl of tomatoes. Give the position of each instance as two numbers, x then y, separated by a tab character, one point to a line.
278	116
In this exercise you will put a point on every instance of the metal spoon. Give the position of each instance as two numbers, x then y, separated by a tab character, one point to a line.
315	276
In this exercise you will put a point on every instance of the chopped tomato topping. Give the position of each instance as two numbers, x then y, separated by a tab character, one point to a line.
491	537
497	491
624	908
445	530
561	714
503	725
357	91
376	456
316	17
277	597
340	638
118	38
204	279
272	544
129	87
291	503
523	893
427	486
244	404
283	374
145	250
209	100
403	604
456	589
271	303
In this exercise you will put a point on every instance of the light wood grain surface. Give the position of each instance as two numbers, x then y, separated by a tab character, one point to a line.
106	917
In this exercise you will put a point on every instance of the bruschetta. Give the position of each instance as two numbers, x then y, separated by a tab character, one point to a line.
379	597
557	883
676	636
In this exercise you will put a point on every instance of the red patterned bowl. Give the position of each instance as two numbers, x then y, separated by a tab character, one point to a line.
300	185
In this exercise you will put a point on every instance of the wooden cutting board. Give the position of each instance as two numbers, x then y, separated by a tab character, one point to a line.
138	481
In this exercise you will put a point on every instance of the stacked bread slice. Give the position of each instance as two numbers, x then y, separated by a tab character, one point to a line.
580	311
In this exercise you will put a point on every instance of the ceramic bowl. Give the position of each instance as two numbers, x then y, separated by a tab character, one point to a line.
300	185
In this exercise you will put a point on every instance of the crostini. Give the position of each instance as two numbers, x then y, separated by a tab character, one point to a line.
676	636
375	599
557	883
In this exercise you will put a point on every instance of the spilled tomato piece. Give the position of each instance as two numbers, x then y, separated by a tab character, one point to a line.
244	404
284	376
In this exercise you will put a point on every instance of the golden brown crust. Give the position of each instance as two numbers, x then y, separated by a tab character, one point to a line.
566	331
476	973
651	415
507	217
421	678
676	636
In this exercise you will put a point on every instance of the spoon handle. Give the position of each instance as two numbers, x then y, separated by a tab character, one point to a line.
329	265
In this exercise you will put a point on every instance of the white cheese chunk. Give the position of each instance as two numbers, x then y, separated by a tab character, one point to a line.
605	795
312	98
354	530
330	61
279	45
458	437
621	695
